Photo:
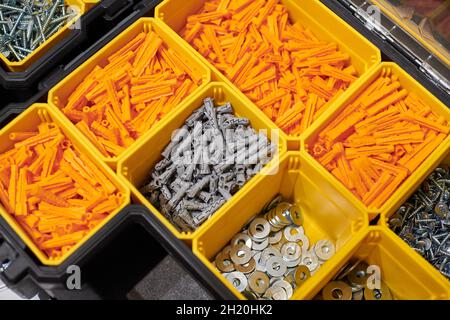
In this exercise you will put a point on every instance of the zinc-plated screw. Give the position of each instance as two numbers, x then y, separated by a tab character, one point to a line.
427	228
50	16
41	30
443	264
12	8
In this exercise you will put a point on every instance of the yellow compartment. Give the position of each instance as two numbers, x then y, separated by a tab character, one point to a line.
312	14
326	216
137	165
28	122
59	95
384	220
18	66
408	83
406	277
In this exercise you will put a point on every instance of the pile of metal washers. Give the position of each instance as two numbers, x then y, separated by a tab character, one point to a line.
424	220
352	284
272	256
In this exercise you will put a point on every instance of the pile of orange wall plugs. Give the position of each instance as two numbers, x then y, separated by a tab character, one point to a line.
377	141
54	192
142	82
282	67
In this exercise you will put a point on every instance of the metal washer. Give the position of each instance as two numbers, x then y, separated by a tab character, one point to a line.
291	236
269	252
337	290
276	293
240	254
238	280
276	267
259	282
241	238
260	245
291	251
310	260
301	274
259	228
275	237
324	249
246	268
286	286
221	264
358	276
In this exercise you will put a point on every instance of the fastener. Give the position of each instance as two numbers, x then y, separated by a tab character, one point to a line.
196	156
427	229
280	266
350	283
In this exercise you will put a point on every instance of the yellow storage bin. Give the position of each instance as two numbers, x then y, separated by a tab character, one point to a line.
60	94
136	166
22	65
312	14
28	122
325	178
444	159
405	276
326	216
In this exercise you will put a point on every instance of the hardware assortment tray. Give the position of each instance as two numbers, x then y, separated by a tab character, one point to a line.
330	209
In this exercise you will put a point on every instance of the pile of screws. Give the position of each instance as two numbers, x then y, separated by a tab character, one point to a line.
26	24
424	220
351	284
272	256
207	161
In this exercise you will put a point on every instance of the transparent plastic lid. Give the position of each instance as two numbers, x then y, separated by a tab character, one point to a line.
426	20
420	29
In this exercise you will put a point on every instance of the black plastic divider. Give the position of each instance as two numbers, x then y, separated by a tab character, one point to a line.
8	114
98	26
112	261
185	256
